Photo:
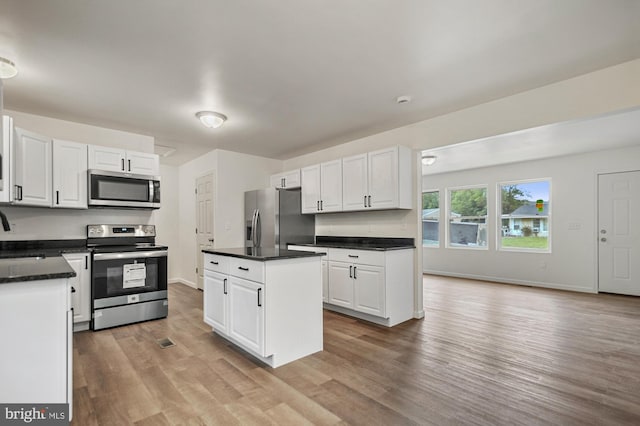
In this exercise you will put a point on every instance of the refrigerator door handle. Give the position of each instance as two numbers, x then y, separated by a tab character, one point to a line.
258	228
253	228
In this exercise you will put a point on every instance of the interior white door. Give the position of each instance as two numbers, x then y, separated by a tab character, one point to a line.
619	233
204	221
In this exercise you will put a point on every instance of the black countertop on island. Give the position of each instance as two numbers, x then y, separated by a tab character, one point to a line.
34	269
261	253
363	243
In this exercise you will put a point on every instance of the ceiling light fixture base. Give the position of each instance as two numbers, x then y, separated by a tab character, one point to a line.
7	68
211	119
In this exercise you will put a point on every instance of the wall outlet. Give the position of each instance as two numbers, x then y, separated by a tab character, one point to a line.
14	228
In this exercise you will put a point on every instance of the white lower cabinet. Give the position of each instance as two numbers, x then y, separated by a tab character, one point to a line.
246	313
216	302
264	307
341	284
80	289
372	285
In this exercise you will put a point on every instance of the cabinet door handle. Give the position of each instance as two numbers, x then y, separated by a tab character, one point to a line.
242	268
73	290
354	273
284	182
224	286
213	262
318	205
321	207
365	201
86	262
353	256
350	271
259	300
20	192
57	197
129	161
369	200
123	164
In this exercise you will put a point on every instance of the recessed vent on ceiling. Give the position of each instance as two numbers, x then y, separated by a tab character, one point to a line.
163	151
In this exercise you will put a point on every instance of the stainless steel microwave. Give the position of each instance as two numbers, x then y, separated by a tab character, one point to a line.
118	189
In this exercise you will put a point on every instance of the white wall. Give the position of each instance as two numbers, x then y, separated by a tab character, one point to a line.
234	174
44	223
571	263
167	218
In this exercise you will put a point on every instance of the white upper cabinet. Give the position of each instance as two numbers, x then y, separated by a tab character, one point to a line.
106	158
120	160
69	174
378	180
322	187
32	178
290	179
310	200
142	163
354	182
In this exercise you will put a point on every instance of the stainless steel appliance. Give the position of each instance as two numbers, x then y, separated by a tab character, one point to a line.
273	219
119	189
128	275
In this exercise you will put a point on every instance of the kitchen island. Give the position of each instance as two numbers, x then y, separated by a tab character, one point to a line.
267	301
36	323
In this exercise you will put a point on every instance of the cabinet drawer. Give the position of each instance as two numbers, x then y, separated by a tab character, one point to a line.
365	257
248	269
214	262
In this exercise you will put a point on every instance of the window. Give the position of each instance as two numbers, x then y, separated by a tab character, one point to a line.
468	217
431	219
525	215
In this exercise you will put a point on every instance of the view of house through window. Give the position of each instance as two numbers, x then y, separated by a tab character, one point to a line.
468	217
525	215
431	218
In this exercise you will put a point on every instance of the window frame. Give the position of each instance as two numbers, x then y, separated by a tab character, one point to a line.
498	234
448	192
439	245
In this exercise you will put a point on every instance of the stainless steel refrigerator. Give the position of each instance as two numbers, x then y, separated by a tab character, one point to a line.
273	219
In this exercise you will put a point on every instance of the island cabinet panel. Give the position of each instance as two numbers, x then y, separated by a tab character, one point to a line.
270	308
246	314
215	300
36	326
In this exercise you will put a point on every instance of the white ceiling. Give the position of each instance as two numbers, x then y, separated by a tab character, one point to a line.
294	76
607	131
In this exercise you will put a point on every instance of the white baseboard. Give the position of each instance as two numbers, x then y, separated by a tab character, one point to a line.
554	286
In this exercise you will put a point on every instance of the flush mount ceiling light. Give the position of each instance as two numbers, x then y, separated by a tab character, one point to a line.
7	68
211	119
428	160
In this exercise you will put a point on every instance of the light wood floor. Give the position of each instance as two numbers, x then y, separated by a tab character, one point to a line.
486	354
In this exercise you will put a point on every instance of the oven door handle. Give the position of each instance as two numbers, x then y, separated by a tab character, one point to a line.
129	255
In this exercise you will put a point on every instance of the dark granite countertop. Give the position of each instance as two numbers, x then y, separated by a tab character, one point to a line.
261	253
41	248
34	268
363	243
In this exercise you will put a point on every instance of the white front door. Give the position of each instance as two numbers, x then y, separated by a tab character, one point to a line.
619	233
204	221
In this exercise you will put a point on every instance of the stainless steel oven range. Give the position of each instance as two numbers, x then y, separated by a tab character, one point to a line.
128	275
